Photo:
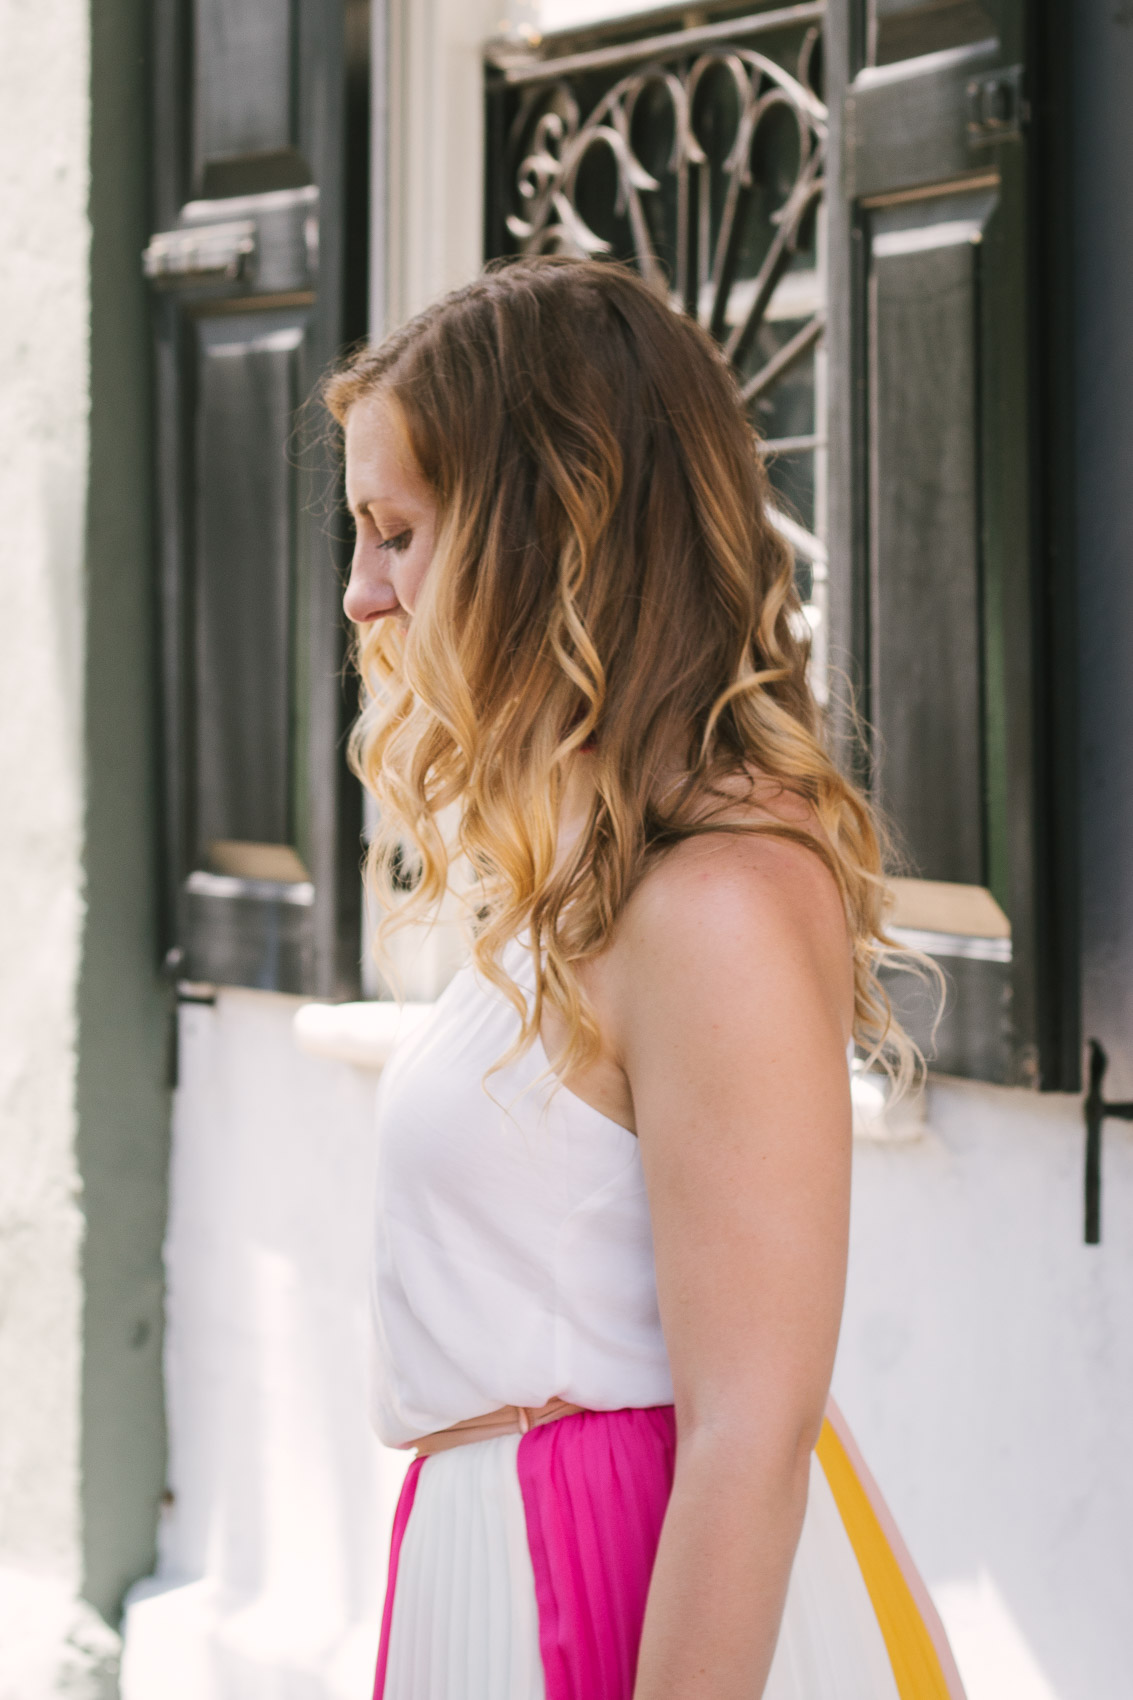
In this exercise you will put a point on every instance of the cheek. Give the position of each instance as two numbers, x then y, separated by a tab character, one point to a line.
409	575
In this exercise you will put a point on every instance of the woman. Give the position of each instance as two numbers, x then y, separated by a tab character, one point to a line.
615	1165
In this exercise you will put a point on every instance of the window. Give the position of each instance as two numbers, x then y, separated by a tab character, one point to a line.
841	195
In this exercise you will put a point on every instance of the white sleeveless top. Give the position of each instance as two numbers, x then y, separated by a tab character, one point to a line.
514	1256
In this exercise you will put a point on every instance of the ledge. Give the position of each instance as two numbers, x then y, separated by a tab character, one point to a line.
360	1033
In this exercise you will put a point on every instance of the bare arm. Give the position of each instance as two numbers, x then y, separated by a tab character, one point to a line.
731	995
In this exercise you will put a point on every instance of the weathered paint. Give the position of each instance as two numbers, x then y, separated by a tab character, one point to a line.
83	1106
43	427
123	1004
43	463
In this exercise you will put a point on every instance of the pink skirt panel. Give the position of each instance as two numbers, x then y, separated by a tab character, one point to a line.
595	1487
400	1520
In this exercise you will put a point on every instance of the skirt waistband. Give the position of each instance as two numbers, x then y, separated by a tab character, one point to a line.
509	1419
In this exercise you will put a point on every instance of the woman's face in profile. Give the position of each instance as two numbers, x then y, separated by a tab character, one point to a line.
395	515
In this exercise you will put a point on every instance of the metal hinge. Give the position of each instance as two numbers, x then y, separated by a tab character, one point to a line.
1097	1111
996	106
201	251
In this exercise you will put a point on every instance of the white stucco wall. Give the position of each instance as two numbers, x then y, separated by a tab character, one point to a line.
272	1567
43	435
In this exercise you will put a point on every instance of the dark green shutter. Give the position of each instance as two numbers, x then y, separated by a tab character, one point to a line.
1092	261
261	155
935	562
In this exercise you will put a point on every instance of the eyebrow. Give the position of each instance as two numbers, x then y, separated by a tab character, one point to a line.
370	502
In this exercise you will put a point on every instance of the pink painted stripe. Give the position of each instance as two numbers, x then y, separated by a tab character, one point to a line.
923	1599
595	1487
400	1519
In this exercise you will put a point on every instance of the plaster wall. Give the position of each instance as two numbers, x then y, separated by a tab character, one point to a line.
44	308
273	1545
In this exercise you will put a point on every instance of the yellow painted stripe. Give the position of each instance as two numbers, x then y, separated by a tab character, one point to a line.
916	1666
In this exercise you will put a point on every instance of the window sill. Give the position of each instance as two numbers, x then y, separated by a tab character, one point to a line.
363	1034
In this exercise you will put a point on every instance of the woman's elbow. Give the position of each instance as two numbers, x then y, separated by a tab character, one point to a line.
771	1437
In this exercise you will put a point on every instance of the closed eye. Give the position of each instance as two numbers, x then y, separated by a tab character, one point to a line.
397	544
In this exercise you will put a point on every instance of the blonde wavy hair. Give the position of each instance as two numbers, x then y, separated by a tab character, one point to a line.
606	575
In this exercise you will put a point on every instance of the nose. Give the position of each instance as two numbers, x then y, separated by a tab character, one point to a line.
369	594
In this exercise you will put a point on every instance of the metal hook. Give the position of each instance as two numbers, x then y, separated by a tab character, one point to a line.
1096	1110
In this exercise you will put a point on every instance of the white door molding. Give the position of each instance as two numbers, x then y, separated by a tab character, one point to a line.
428	199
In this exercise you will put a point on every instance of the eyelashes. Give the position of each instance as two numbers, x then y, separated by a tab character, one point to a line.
364	522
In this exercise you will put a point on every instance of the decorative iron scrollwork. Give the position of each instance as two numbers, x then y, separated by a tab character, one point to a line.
702	163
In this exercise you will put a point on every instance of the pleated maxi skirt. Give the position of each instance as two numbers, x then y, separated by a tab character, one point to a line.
519	1570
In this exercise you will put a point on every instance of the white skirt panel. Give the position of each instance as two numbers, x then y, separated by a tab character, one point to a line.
830	1643
465	1624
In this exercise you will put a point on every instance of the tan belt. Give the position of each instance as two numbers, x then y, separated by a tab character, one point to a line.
509	1419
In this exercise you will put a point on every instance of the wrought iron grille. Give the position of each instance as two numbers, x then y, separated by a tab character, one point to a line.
697	156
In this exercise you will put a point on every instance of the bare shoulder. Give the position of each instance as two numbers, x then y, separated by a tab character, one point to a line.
732	884
724	908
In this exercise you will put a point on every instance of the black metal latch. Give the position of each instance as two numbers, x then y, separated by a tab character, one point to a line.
996	107
1096	1112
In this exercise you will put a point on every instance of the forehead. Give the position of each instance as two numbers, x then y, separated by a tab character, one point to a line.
380	465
